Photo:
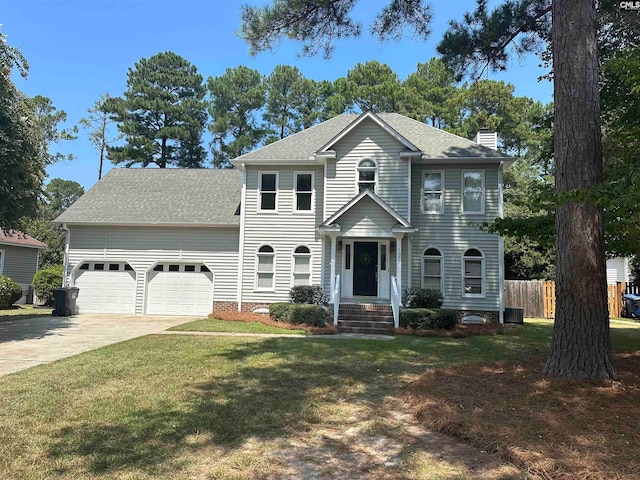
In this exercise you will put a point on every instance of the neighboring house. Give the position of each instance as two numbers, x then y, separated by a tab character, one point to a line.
19	260
363	205
618	270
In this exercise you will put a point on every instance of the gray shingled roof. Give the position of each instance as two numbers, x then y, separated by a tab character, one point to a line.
160	196
432	141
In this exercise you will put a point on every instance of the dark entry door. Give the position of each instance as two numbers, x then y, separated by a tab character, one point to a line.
365	268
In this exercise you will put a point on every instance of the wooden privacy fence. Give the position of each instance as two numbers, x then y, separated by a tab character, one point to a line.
539	297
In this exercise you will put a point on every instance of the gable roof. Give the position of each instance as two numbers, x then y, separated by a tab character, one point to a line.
366	193
150	196
19	239
433	142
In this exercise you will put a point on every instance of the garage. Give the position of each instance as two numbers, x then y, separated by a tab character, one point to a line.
180	289
106	287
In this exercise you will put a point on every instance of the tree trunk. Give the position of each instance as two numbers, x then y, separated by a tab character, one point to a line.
581	346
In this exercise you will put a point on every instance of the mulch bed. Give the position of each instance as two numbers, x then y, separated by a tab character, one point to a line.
460	331
553	428
266	319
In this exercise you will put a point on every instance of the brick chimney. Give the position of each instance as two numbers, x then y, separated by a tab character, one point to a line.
487	138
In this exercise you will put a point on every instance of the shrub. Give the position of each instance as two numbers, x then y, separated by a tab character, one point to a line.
312	315
299	314
280	312
423	298
44	281
10	292
427	319
313	295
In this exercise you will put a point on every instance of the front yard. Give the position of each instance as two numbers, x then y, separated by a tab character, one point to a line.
230	407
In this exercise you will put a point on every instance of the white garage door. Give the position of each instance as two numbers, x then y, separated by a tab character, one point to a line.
106	288
180	289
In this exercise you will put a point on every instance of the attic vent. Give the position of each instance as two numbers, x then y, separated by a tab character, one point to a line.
487	138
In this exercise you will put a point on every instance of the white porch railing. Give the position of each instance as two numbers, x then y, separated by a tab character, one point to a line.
395	302
336	299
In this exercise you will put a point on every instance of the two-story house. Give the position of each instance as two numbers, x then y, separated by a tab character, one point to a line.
363	205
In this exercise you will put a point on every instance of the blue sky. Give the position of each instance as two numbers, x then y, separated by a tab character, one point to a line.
80	49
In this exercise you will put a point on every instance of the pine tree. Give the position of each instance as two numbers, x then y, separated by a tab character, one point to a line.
162	115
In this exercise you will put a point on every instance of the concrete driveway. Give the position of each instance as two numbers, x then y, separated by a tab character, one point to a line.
26	343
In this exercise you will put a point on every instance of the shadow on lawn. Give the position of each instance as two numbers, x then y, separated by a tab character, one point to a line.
283	387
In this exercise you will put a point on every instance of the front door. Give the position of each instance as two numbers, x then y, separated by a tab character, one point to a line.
365	268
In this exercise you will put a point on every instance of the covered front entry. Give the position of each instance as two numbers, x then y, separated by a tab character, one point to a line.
365	268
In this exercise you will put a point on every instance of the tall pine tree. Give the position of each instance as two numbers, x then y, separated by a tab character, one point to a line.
162	115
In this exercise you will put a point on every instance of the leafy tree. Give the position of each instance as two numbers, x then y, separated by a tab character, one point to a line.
59	194
235	99
162	114
98	122
581	346
22	169
49	120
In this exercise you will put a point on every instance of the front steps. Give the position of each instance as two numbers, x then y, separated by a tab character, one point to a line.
366	318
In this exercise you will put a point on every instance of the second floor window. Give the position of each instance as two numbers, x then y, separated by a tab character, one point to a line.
432	192
367	175
473	191
268	191
304	191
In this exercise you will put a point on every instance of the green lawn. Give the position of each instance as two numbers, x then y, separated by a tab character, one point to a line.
23	313
222	407
215	325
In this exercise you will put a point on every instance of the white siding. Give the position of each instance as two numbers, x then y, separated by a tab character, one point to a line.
617	270
452	234
284	231
142	247
368	140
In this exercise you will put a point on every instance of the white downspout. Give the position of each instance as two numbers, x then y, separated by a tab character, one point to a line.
65	265
500	247
243	209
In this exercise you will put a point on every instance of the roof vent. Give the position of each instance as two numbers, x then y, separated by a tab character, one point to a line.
487	138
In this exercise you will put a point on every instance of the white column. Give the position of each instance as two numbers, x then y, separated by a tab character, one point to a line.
333	267
399	260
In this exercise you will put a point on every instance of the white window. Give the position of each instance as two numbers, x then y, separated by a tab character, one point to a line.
304	191
265	268
301	266
367	175
1	261
432	192
432	269
473	191
268	191
473	273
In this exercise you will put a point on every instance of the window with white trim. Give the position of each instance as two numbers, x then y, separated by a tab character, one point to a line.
301	266
432	192
268	191
304	191
432	269
473	191
265	267
473	269
1	261
367	175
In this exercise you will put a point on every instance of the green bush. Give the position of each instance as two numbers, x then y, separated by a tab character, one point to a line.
44	281
312	295
423	298
10	292
427	318
297	314
280	312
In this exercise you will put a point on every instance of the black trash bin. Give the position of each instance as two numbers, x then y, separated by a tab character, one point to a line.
65	301
631	305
